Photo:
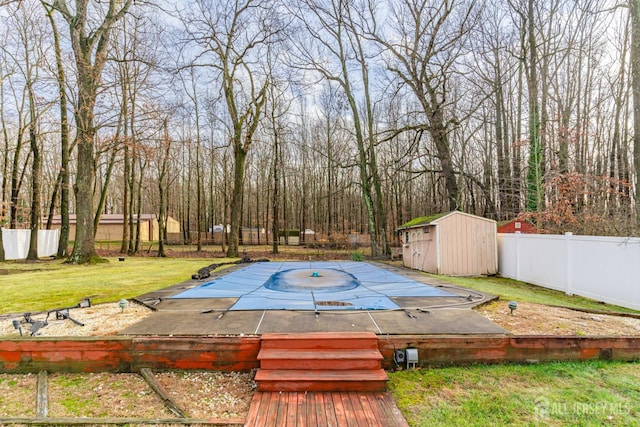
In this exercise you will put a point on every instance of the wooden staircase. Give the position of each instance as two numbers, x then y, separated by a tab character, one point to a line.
320	362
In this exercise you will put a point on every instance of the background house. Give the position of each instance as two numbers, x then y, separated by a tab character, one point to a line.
110	226
453	243
515	225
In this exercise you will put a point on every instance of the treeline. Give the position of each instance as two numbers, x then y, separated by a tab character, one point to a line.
340	116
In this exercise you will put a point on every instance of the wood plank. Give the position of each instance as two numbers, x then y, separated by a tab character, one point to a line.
321	340
341	412
357	412
334	359
393	414
321	375
324	409
376	400
367	409
318	408
258	409
155	385
292	409
349	411
120	421
312	402
344	386
282	400
254	408
266	413
301	420
289	353
42	403
272	412
330	410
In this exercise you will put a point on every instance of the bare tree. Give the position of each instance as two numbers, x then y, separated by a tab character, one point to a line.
339	53
634	9
276	128
426	39
65	148
31	75
90	27
165	148
232	35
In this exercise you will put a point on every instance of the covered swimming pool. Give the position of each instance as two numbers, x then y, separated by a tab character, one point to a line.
321	285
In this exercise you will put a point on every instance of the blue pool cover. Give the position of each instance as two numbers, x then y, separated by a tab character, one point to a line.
326	285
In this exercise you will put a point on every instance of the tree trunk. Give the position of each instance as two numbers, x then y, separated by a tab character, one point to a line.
236	200
635	87
84	250
126	173
162	230
36	173
143	166
103	192
534	171
275	229
65	150
16	180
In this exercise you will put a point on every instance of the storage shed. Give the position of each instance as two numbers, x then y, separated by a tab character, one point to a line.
452	243
110	226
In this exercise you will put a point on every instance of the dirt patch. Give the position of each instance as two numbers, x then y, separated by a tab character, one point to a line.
7	272
210	394
537	319
103	395
17	395
205	395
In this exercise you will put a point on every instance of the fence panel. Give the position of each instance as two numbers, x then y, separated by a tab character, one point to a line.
16	243
602	268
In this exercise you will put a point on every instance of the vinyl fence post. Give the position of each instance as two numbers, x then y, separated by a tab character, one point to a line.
517	239
568	236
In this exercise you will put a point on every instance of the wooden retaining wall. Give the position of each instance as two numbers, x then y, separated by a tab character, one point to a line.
460	350
127	354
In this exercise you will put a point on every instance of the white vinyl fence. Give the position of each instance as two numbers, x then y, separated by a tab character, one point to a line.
16	243
601	268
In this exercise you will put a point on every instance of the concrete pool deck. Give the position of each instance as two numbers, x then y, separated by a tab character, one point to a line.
213	317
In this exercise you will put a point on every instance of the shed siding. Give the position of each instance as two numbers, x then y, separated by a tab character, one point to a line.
173	226
113	232
467	245
457	244
421	250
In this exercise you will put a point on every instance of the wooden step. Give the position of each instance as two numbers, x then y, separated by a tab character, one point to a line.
321	340
321	380
323	359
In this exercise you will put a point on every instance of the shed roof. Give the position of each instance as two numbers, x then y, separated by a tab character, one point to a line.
435	218
104	218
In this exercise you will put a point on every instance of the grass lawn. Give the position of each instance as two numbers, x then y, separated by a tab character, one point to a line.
45	285
509	289
550	394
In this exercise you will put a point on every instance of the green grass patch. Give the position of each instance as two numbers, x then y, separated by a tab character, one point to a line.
47	285
567	393
509	289
80	406
357	256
